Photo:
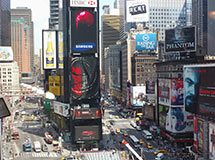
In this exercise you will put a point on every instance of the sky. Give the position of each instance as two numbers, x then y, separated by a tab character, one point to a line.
40	15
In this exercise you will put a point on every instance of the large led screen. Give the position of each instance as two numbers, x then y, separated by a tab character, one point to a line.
180	39
49	50
150	87
60	49
85	78
84	133
137	95
199	89
6	53
83	30
164	91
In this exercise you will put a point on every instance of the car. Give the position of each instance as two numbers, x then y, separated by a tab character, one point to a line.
125	133
44	148
142	142
149	146
160	151
15	135
138	128
48	138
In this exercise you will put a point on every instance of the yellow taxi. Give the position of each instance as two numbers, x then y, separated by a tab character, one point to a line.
160	151
149	146
142	142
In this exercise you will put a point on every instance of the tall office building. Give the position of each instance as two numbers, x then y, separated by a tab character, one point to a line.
110	32
22	38
5	24
203	17
54	14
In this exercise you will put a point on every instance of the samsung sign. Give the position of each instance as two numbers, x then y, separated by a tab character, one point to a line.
146	42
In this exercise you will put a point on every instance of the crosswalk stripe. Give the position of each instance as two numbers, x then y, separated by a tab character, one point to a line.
41	154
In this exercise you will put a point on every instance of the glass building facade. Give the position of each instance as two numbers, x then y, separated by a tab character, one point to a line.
5	24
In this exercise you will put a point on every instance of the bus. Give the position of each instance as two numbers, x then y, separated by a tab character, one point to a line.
147	134
135	141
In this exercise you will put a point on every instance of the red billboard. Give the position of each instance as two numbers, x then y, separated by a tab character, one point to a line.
177	93
164	91
86	133
90	113
85	78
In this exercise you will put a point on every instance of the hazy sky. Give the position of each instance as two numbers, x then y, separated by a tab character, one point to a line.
40	14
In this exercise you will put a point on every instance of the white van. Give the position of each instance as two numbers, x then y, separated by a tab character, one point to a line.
133	124
147	134
37	146
159	156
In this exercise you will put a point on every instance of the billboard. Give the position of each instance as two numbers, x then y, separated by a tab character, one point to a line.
85	133
178	120
137	11
199	89
6	53
150	87
180	39
61	108
212	141
200	135
138	94
191	88
49	50
195	132
163	110
146	42
54	85
164	91
177	92
85	78
83	3
60	49
90	113
83	30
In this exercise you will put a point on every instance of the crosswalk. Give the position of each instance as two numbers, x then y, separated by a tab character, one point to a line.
41	154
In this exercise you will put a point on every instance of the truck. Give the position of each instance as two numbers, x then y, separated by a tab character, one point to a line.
37	146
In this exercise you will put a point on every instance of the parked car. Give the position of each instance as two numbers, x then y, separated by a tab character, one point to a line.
44	148
48	138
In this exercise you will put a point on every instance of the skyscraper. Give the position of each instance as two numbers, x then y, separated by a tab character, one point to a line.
22	38
203	17
5	24
54	14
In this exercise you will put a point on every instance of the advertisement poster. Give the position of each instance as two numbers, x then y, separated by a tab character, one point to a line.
85	78
163	110
83	3
150	87
60	50
207	91
200	135
146	42
83	133
54	85
191	88
177	92
180	39
211	141
195	133
179	121
138	94
137	11
164	91
61	108
91	113
49	50
6	53
83	30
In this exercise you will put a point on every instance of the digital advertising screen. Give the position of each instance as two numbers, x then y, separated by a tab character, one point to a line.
150	87
200	135
146	42
191	88
83	30
163	110
180	39
85	78
60	49
6	53
84	133
137	95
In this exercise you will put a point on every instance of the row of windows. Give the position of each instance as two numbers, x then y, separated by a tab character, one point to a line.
168	10
166	14
6	72
4	69
9	80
